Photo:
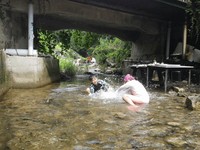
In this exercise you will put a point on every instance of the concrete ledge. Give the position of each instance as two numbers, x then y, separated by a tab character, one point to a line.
32	72
20	52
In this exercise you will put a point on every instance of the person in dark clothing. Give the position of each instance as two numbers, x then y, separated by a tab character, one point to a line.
96	85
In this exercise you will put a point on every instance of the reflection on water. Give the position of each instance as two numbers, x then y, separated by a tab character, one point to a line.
62	116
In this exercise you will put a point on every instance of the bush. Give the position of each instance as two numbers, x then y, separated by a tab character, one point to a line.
67	66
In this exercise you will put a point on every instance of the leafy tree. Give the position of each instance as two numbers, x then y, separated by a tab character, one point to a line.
82	40
49	40
112	49
63	37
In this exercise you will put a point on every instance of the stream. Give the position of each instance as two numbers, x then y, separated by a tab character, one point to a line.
61	116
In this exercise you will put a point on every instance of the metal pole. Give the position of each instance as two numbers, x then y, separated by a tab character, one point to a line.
189	78
147	84
166	78
30	28
184	40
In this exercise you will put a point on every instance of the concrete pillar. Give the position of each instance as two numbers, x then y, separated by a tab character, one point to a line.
184	40
30	28
168	40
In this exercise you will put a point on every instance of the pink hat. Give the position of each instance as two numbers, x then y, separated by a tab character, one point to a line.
128	77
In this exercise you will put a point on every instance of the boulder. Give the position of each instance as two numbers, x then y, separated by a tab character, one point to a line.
192	102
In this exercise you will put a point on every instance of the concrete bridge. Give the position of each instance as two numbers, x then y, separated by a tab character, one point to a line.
127	19
154	26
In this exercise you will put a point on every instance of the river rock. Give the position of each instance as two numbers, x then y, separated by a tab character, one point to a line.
176	141
174	124
119	115
178	89
109	71
192	102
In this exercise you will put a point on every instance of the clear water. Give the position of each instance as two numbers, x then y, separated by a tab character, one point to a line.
62	116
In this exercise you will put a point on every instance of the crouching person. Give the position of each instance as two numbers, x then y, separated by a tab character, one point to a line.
133	92
96	85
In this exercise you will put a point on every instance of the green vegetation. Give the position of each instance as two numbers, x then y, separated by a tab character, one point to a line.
83	40
68	45
48	41
67	66
112	49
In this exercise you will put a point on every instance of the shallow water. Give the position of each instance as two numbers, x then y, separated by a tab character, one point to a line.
62	116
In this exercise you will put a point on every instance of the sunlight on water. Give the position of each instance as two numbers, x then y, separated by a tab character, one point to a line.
110	96
157	96
69	88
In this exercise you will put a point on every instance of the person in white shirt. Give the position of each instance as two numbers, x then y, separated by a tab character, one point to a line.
133	92
93	60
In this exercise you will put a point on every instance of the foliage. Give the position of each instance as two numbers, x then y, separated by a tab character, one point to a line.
67	66
81	41
113	49
63	37
66	45
193	19
48	41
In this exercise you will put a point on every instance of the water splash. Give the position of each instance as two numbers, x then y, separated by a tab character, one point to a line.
110	96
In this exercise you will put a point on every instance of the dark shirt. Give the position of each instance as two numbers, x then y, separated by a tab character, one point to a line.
100	85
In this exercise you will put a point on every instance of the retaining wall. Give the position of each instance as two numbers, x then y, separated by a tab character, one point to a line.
32	72
4	76
27	72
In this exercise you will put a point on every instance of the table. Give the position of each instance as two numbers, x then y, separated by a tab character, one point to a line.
140	67
166	68
144	68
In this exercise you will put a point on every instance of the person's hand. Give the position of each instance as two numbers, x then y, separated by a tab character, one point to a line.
88	91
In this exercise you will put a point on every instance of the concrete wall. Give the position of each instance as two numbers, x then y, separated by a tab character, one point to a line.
13	30
4	76
149	47
21	71
32	72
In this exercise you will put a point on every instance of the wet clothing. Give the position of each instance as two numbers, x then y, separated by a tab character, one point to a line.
100	85
135	90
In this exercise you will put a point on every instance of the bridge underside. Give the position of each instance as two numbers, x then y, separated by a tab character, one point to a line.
123	18
154	26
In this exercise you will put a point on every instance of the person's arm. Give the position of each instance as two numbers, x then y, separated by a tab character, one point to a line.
104	85
123	87
90	90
